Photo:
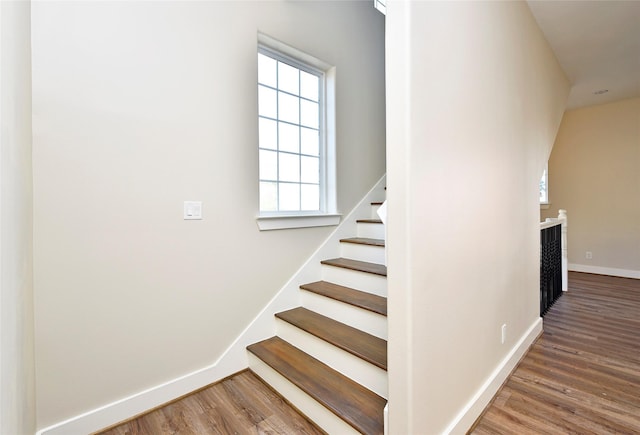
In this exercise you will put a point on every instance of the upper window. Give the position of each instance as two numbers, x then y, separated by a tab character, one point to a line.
296	138
544	186
290	135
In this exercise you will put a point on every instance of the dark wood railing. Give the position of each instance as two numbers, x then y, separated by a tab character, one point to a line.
553	261
550	266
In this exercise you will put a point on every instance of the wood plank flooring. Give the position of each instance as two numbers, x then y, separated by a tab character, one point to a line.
242	404
582	376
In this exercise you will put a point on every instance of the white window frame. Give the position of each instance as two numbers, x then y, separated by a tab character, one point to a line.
544	202
327	214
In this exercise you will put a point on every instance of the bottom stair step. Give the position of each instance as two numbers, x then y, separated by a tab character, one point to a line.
353	403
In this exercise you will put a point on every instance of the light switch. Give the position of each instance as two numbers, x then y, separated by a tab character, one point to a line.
192	210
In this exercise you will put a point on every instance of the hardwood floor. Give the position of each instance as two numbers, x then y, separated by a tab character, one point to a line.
242	404
582	376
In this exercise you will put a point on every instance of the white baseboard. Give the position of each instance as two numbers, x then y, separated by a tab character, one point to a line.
234	359
473	409
138	403
623	273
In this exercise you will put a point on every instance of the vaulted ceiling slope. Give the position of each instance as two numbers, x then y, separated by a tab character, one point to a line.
597	44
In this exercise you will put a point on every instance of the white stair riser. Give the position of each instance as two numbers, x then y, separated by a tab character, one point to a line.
361	371
374	212
355	251
372	231
366	282
313	410
364	320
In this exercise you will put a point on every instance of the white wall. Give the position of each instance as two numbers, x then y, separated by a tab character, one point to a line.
474	100
594	173
17	395
138	106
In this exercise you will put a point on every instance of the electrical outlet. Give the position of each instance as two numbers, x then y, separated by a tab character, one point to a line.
589	255
504	333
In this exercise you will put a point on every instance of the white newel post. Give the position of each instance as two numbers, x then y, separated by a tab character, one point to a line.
562	217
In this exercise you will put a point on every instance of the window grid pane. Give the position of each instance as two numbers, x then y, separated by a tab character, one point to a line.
309	86
268	196
288	108
289	136
267	134
289	167
268	165
310	141
267	102
289	196
310	196
309	169
267	74
288	78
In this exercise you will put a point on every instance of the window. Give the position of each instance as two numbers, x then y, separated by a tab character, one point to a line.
295	163
544	186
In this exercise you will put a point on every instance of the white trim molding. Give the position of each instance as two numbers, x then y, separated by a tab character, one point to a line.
469	414
123	409
266	223
612	271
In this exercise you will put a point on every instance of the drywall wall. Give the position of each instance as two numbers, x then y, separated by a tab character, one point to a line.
474	99
137	107
594	173
17	376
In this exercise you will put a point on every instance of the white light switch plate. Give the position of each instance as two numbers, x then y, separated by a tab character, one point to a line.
192	210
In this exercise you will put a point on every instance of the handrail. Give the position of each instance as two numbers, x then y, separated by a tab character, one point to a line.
550	222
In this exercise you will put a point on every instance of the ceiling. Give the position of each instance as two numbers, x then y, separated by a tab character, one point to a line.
597	44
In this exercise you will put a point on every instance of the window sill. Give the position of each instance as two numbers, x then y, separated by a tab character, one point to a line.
267	223
544	205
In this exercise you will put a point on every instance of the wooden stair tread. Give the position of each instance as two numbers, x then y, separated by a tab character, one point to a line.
367	301
364	241
361	266
369	221
358	343
360	408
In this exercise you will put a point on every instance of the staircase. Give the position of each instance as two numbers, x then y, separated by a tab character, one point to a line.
329	356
